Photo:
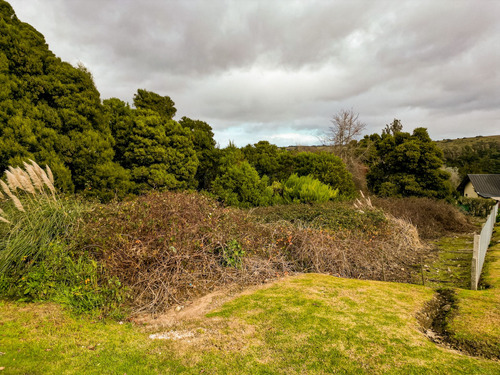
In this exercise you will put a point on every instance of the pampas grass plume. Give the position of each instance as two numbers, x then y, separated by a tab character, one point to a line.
50	175
12	179
6	189
34	175
25	180
17	203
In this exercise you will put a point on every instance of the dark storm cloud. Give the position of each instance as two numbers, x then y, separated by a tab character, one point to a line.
265	68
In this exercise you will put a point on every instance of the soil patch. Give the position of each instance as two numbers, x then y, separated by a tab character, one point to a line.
197	308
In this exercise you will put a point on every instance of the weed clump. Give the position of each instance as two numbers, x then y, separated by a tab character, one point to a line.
340	240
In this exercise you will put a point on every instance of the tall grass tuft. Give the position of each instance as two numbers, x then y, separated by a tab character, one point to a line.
33	217
39	258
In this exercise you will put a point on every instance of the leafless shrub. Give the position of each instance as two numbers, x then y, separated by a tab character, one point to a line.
345	128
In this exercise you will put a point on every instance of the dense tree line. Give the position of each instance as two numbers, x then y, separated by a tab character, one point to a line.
51	112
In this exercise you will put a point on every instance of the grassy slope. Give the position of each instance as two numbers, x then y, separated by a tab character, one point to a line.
478	318
311	324
470	141
452	266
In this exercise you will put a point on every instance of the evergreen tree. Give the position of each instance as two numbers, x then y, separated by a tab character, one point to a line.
408	165
163	105
158	152
51	112
207	154
269	160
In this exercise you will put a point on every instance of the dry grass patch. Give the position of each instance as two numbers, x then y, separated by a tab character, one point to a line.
432	218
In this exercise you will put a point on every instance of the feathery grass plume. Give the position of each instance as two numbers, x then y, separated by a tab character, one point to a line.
17	203
49	184
4	220
34	175
25	181
39	171
12	179
41	174
50	175
6	189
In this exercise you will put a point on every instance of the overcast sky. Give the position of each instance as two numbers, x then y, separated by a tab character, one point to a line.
279	70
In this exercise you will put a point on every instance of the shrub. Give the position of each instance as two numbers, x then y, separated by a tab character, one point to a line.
334	216
307	189
480	207
336	239
407	165
170	247
327	168
240	185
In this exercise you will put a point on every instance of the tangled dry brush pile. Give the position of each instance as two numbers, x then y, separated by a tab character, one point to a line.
168	248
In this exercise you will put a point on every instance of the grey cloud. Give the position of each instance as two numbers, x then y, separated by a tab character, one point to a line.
289	66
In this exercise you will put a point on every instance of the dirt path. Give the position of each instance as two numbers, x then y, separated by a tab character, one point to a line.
198	308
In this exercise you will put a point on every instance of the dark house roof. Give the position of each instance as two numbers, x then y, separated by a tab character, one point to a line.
485	185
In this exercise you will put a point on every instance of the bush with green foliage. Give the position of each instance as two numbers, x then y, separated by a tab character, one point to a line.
306	189
334	216
327	168
163	105
207	154
476	206
269	160
51	112
156	151
240	185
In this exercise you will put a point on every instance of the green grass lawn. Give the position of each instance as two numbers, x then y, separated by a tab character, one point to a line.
477	322
451	267
308	324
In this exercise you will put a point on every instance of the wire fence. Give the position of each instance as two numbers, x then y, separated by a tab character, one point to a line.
481	243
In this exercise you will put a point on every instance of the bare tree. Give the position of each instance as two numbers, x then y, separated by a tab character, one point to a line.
346	128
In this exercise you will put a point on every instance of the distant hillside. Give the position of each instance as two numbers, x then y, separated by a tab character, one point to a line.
480	154
459	143
444	144
472	155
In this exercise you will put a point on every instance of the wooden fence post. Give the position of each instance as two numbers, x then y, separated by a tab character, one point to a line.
475	263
